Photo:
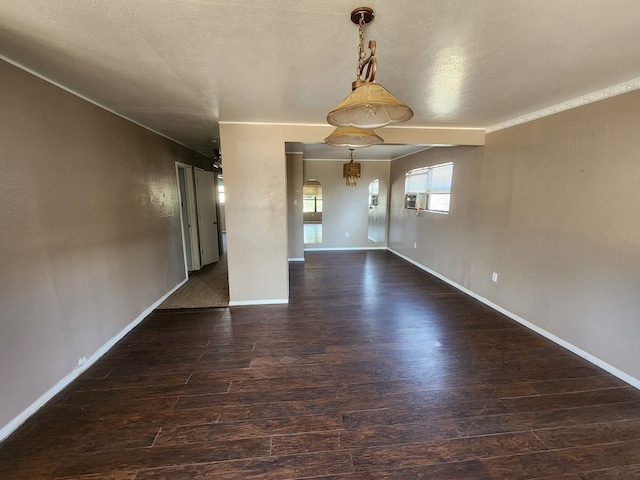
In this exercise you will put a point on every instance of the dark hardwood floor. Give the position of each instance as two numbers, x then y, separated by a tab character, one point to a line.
375	370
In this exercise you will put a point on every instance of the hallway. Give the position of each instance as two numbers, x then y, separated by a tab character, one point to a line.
206	288
374	370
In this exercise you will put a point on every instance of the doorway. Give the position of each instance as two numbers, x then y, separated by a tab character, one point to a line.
188	216
205	260
207	216
312	211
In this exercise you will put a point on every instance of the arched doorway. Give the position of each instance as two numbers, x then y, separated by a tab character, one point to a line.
377	222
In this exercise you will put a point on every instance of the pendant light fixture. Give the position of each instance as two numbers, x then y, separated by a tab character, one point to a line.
351	170
352	137
370	105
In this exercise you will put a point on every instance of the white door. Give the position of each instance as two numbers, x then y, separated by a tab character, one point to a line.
184	207
207	217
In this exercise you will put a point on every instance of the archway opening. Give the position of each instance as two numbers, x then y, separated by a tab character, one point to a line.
312	211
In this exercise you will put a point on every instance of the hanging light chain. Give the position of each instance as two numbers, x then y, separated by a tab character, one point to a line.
364	61
361	54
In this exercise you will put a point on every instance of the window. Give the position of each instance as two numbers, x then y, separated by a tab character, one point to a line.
311	199
429	188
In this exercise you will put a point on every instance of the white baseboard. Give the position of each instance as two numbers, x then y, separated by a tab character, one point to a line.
563	343
13	425
244	303
301	259
338	249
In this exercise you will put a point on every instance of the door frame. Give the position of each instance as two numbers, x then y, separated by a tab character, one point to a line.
189	195
204	208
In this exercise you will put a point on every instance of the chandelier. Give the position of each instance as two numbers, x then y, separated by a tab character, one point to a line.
369	105
351	170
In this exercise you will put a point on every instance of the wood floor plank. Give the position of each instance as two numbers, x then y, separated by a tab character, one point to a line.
162	456
388	375
595	433
455	450
265	468
521	422
574	399
369	437
616	473
565	461
468	470
246	429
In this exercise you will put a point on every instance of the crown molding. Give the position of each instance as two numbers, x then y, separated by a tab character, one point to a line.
619	89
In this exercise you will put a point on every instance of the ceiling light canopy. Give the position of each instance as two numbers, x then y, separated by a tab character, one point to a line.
369	105
353	137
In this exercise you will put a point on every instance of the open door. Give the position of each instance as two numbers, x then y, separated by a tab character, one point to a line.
188	216
207	217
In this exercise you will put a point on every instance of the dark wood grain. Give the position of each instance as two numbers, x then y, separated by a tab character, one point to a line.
374	370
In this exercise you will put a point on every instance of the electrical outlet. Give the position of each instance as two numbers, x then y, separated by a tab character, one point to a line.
415	244
346	234
494	277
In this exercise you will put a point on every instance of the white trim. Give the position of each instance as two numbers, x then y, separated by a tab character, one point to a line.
194	262
339	249
284	124
187	261
275	301
13	425
394	126
563	343
357	159
93	102
569	104
297	259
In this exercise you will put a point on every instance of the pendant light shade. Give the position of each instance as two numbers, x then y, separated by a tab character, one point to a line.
369	106
353	137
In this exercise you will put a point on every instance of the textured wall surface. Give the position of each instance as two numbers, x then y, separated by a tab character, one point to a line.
295	223
442	242
256	199
256	207
550	206
90	233
345	209
557	219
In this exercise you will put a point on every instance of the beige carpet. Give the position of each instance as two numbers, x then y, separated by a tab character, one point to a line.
207	287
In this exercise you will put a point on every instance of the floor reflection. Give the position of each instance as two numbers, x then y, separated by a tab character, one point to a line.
312	233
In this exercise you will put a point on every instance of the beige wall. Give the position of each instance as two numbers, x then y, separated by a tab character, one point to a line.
443	242
90	233
256	199
557	220
345	209
551	207
255	193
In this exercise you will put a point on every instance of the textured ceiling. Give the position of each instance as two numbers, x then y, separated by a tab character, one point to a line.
179	67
